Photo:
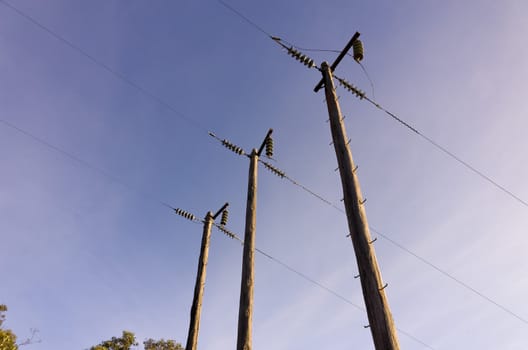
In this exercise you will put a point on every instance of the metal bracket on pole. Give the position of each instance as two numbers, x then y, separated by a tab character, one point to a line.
220	210
338	59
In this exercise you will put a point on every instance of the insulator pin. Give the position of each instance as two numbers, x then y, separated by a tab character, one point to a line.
357	48
223	220
185	214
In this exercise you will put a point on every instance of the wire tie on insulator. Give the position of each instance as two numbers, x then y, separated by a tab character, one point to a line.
374	240
274	170
211	134
363	201
356	276
385	286
276	38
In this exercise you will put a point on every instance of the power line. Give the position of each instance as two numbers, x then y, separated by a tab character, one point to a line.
392	115
283	175
314	282
84	163
239	14
149	94
187	215
104	66
450	276
452	155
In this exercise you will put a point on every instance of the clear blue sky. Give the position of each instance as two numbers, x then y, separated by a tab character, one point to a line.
83	256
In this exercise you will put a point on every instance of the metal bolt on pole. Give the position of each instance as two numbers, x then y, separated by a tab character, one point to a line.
380	318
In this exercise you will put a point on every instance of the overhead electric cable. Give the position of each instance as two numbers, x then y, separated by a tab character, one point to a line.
444	150
283	175
392	115
202	128
196	124
84	163
104	66
315	282
189	216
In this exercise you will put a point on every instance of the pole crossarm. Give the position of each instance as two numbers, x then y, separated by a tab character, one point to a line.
339	58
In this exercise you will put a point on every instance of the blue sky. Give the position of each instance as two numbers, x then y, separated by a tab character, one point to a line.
85	255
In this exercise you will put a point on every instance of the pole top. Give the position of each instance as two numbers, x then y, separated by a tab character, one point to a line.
339	58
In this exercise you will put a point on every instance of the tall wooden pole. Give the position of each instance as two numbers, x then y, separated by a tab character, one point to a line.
192	338
378	311
245	311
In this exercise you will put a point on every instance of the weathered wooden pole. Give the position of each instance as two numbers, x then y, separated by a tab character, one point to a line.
245	311
196	308
379	315
192	338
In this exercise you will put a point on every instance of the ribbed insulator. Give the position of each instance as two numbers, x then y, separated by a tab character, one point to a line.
232	147
269	147
225	215
226	232
351	88
274	170
307	61
357	48
185	214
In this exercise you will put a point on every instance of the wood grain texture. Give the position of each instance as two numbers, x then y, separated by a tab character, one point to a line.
196	308
245	312
380	318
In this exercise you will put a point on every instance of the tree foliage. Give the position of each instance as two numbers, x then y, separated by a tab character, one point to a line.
162	344
128	340
7	337
125	342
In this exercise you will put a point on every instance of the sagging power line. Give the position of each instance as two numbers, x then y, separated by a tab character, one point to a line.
193	218
290	47
156	98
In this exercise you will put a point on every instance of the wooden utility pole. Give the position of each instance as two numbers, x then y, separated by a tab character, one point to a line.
380	318
245	311
196	308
